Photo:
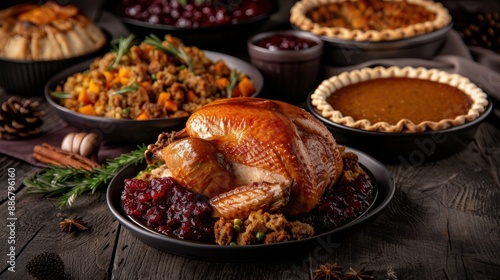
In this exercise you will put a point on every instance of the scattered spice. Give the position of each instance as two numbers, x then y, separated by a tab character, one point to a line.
52	155
336	272
329	271
73	225
362	274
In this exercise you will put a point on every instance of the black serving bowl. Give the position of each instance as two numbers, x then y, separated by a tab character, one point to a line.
291	74
28	77
405	148
341	52
133	131
221	38
328	241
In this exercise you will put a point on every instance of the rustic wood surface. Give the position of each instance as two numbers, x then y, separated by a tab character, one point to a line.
443	223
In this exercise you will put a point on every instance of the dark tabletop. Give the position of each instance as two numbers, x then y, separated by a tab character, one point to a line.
443	223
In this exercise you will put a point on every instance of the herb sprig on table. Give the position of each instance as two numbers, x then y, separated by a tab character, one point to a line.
67	183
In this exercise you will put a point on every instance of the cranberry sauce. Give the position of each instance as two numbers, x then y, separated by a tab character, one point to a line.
344	204
168	208
194	13
285	42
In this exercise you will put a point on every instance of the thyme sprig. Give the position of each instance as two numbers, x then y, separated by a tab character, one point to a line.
61	94
121	47
233	80
67	183
127	89
179	52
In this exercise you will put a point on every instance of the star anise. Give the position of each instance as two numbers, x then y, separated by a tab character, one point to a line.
73	225
329	271
363	274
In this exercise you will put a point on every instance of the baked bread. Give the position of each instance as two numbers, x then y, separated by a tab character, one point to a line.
47	32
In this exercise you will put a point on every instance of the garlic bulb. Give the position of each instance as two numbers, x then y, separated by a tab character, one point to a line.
84	144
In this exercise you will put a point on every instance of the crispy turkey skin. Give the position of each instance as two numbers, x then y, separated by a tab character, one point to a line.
252	154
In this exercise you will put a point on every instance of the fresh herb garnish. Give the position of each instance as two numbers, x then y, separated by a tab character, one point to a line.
154	41
67	183
60	94
121	47
127	89
233	80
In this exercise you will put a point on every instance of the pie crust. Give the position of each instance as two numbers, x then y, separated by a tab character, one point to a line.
47	32
329	86
299	18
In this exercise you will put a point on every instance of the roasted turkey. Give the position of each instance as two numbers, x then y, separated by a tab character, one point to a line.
247	154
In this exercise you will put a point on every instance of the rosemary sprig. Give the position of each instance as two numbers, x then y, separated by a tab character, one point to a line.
121	47
127	89
61	95
233	80
67	183
154	41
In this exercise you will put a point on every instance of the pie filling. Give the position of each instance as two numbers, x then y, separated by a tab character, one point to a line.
369	20
399	99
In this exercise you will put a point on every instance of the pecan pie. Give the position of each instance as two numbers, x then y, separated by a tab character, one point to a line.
47	32
369	20
399	99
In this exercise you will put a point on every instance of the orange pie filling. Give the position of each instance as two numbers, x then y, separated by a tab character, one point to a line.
369	20
399	99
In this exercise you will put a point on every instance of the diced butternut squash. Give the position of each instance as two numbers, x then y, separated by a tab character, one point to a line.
87	110
142	116
246	87
222	82
94	87
109	78
163	97
83	96
220	67
171	106
124	75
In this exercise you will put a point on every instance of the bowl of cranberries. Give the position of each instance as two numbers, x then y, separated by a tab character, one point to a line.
209	24
289	60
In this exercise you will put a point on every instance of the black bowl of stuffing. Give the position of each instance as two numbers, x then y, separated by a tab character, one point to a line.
140	89
213	25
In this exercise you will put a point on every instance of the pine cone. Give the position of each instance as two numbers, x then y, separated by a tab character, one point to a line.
19	119
484	31
46	266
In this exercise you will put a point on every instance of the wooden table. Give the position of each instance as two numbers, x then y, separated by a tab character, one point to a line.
443	223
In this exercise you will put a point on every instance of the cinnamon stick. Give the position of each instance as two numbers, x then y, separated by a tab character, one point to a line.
53	155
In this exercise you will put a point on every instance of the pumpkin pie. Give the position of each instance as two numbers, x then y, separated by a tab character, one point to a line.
399	99
369	20
47	32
